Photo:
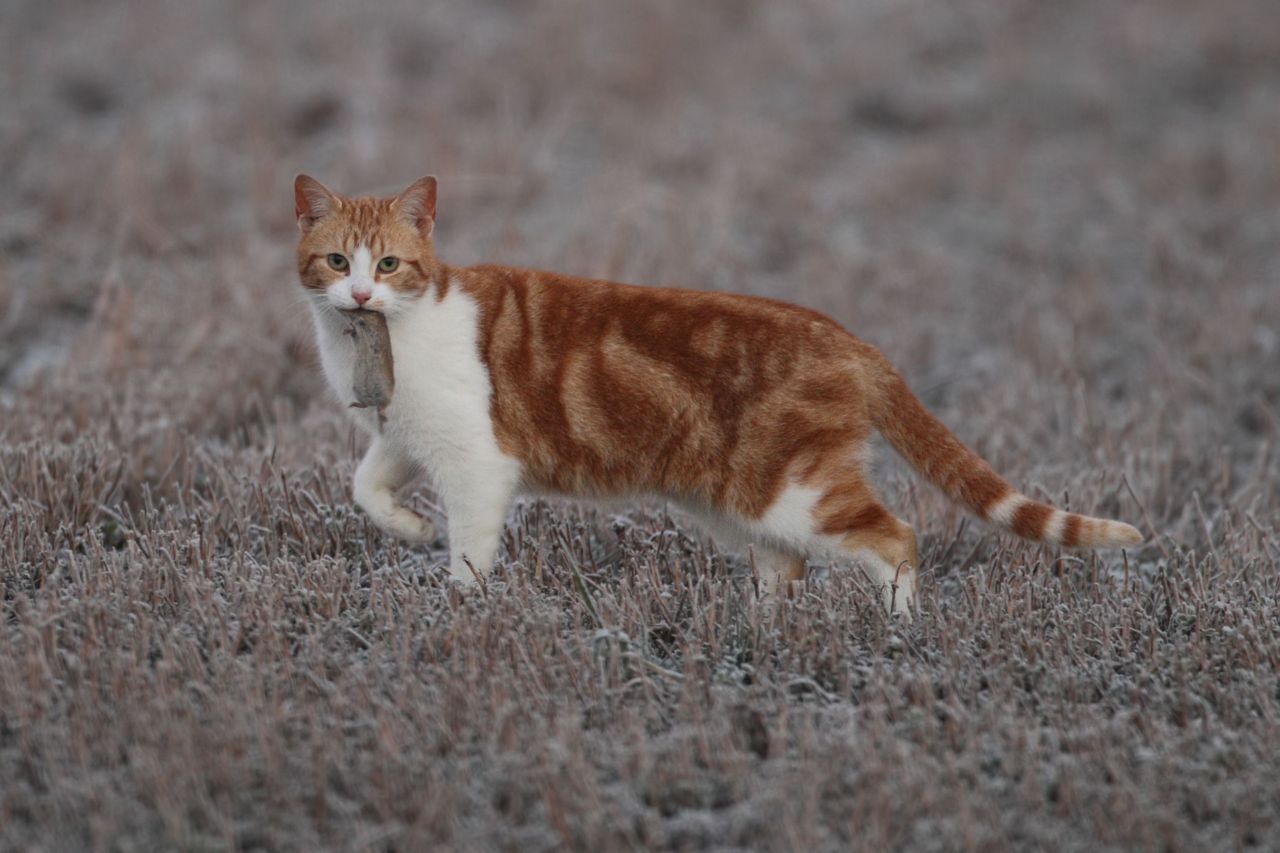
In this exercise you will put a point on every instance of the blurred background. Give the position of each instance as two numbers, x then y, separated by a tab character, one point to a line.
1040	211
1020	199
1061	220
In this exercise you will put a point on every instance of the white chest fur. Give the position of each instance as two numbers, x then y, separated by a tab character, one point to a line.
439	413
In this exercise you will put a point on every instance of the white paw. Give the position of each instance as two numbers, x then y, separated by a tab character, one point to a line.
462	573
897	601
406	525
774	588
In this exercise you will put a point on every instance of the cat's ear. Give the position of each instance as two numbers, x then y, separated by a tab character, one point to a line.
418	204
312	201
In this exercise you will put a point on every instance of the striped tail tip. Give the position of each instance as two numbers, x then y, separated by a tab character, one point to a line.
1033	520
1104	533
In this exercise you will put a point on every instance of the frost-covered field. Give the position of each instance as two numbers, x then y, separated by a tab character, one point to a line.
1061	220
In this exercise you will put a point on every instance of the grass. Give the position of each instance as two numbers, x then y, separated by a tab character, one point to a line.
1061	221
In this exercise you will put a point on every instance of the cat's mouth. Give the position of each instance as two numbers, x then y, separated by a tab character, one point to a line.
372	306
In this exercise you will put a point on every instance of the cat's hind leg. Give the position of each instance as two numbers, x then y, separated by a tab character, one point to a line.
837	516
886	546
381	474
849	515
778	569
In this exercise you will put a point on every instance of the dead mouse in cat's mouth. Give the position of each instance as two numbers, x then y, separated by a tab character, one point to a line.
373	379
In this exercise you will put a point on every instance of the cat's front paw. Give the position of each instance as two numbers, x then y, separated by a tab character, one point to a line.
407	525
420	530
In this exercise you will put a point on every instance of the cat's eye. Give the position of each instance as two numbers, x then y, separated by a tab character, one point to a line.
388	264
337	262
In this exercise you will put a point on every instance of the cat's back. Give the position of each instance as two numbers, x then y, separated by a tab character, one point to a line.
605	388
566	308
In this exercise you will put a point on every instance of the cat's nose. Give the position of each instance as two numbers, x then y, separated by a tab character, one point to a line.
361	296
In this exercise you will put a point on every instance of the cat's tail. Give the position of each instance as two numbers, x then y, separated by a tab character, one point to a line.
967	479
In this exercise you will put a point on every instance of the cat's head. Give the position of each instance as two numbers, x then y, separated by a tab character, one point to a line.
373	253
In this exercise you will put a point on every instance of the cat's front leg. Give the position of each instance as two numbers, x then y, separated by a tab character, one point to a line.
379	477
477	495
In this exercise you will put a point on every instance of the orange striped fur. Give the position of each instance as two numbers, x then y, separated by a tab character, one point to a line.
751	413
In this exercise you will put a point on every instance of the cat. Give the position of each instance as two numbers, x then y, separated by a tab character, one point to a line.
750	414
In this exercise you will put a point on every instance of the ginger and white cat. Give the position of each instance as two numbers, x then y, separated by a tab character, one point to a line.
750	414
